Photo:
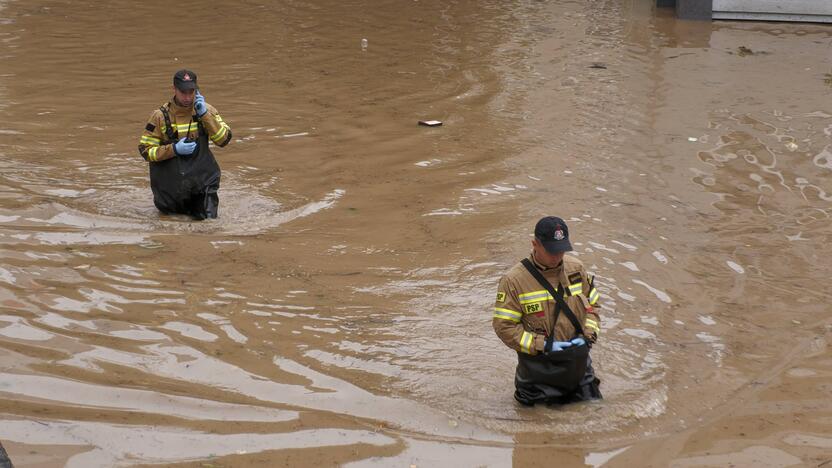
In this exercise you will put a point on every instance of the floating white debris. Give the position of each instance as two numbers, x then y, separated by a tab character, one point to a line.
430	123
739	269
693	139
660	257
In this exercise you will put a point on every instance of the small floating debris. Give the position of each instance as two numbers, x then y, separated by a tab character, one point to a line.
598	65
430	123
743	51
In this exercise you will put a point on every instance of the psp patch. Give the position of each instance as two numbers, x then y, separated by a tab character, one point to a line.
575	278
533	308
150	127
501	296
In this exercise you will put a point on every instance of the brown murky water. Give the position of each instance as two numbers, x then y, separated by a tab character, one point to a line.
338	312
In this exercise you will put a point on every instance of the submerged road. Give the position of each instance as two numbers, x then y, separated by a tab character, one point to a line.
339	310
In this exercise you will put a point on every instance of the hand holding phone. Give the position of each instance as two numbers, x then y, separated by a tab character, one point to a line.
200	108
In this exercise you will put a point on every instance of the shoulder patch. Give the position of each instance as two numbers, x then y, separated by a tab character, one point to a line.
501	296
150	127
575	278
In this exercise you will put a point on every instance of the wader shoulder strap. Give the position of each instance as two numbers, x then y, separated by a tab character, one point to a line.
169	131
558	295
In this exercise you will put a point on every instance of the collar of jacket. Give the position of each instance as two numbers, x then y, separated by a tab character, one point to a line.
555	269
179	110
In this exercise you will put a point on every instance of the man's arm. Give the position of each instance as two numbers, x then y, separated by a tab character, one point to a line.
592	324
218	131
150	143
508	322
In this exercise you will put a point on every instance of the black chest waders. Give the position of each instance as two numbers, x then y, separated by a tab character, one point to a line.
557	376
186	184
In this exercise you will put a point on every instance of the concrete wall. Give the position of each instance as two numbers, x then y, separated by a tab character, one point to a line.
809	11
774	10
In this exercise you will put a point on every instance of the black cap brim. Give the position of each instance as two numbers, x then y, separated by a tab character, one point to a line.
557	246
185	85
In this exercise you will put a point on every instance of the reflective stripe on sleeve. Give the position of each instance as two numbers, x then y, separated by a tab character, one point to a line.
526	342
507	314
575	289
217	137
151	155
149	140
593	325
593	296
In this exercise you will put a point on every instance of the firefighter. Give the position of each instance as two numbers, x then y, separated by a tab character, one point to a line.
547	310
184	176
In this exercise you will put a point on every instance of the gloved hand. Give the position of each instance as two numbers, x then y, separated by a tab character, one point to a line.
578	341
184	148
592	338
559	345
199	105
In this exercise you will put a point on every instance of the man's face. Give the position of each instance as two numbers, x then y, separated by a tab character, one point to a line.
184	98
544	257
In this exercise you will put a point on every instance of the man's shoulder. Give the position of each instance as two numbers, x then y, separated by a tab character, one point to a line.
157	115
516	270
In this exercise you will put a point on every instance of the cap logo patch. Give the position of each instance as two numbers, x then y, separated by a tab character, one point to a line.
187	77
558	235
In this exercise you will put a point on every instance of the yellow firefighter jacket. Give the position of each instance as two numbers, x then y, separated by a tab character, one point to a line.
524	310
155	145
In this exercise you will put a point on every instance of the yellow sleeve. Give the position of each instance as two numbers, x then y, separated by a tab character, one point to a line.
218	131
151	146
508	322
592	323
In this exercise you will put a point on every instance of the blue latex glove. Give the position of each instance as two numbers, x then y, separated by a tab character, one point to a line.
578	341
559	345
199	105
184	148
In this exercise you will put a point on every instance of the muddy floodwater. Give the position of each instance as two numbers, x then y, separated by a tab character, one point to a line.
338	312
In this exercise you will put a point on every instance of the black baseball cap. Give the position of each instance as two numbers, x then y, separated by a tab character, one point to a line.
553	233
185	80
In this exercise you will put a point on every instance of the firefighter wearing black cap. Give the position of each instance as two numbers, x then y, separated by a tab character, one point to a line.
547	310
184	176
